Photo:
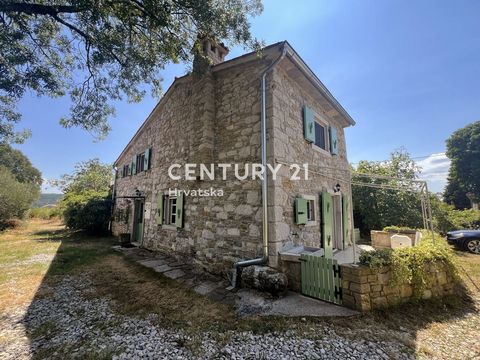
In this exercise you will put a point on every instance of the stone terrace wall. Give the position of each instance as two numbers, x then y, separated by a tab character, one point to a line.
368	289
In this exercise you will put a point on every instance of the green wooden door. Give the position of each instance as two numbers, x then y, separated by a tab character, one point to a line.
321	278
138	221
327	224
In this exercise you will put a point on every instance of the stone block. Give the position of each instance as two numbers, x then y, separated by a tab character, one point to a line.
389	290
362	302
264	278
174	274
379	303
406	291
348	301
383	278
427	294
442	278
360	288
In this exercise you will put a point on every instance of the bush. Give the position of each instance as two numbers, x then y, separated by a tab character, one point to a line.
398	229
465	219
89	211
446	218
45	213
410	264
15	197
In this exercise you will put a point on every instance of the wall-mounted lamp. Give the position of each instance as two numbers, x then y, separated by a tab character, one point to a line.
336	188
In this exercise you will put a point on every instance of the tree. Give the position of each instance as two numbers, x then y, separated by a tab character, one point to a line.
103	51
463	149
454	194
19	165
375	208
87	201
91	175
15	197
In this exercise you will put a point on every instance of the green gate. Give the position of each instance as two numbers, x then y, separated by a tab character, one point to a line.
321	278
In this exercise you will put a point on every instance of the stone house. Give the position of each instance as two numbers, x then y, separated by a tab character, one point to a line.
268	109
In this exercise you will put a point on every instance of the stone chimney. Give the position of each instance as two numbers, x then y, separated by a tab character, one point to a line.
211	53
215	51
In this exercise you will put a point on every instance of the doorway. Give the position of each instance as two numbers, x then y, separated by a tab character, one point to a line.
138	221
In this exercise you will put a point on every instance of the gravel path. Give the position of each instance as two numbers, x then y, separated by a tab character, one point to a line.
72	323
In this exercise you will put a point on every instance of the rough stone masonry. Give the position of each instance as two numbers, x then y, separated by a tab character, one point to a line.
214	118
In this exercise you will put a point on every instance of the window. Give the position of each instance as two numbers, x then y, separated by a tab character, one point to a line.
310	210
170	210
320	136
140	163
125	170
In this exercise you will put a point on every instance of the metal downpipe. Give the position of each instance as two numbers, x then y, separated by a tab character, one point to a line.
263	130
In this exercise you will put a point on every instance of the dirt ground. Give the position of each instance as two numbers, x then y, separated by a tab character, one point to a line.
66	295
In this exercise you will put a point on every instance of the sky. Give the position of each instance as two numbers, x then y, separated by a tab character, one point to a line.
408	72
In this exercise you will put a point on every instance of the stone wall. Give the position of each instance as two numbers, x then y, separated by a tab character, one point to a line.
210	119
368	289
382	239
215	118
289	146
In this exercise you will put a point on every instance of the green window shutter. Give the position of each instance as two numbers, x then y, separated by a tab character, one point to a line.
333	141
346	220
308	124
300	211
159	214
148	155
179	219
134	165
327	224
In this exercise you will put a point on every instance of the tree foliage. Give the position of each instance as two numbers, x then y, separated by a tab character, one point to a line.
463	149
19	165
447	218
15	197
20	184
91	175
103	51
376	208
87	202
89	211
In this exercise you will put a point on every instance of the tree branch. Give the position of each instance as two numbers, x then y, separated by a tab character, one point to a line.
39	9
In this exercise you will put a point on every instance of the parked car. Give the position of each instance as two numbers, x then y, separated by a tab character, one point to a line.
465	239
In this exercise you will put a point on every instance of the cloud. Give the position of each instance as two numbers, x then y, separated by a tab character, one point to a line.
435	170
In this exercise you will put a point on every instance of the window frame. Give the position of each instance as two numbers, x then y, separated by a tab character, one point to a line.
140	163
312	201
167	222
320	120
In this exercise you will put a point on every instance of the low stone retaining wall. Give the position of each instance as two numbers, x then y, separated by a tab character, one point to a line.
382	239
367	289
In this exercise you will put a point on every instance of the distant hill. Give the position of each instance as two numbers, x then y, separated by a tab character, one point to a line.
47	199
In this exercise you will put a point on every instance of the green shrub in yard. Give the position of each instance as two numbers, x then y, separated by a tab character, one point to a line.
87	201
15	197
89	211
410	264
398	229
45	213
465	219
447	218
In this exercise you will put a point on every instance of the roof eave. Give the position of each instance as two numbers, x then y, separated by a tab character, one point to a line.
293	55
